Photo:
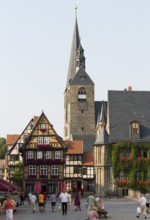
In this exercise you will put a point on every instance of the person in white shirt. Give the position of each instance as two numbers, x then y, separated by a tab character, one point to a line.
33	200
64	199
142	203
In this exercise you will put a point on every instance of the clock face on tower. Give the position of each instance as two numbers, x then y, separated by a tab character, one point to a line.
82	106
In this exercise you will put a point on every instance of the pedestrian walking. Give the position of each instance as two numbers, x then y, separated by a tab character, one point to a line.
64	199
9	206
142	203
77	202
53	200
33	201
91	201
41	202
22	198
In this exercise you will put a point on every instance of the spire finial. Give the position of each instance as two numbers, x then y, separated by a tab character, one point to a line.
76	7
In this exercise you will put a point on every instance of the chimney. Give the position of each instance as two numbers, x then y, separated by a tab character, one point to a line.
129	88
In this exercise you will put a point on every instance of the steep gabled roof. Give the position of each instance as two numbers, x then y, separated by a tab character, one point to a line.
59	139
11	139
125	107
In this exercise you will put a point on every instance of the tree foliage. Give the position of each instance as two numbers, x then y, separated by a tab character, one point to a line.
3	148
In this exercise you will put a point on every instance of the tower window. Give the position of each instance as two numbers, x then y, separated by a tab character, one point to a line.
82	95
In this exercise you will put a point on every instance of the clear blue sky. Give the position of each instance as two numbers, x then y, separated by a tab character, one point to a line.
35	43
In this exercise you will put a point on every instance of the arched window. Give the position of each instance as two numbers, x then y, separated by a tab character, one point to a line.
82	95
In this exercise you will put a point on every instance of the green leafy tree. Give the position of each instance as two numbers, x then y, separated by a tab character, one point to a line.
17	177
3	148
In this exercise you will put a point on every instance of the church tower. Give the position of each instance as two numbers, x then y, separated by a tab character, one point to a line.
79	108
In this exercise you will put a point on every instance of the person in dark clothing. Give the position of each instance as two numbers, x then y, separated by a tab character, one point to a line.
77	201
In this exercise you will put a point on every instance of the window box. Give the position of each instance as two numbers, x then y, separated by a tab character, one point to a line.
54	161
124	182
42	129
43	146
31	176
54	176
39	161
122	158
30	160
43	176
139	158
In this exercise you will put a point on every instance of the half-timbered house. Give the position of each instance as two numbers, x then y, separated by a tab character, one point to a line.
43	157
79	169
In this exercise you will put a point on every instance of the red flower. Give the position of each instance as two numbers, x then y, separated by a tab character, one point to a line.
140	182
139	158
122	158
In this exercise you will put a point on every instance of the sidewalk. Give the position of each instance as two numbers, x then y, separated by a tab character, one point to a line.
118	209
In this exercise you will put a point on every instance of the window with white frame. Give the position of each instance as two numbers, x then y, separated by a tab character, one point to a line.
43	170
32	170
39	154
54	170
40	140
30	154
43	126
46	140
57	154
48	155
67	157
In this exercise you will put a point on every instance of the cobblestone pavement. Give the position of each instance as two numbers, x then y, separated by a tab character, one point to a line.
118	209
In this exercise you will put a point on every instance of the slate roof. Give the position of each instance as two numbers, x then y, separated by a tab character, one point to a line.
88	141
125	107
81	78
74	47
103	138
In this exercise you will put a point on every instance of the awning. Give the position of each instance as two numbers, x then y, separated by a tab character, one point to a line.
8	186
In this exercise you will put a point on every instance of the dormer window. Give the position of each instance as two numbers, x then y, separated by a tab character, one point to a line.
135	129
82	95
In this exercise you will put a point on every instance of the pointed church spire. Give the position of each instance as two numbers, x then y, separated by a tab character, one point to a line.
76	49
102	135
101	117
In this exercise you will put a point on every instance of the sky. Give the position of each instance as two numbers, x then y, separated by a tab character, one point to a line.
35	45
